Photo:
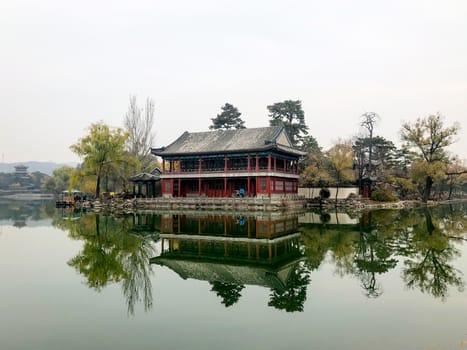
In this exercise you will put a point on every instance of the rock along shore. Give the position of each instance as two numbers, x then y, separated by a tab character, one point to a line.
253	204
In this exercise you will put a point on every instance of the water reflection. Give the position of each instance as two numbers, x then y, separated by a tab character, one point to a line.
274	251
424	240
230	252
116	250
429	268
26	213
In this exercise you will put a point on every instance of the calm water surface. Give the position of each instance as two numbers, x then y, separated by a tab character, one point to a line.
374	280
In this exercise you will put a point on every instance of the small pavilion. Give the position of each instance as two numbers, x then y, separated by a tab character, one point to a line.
147	185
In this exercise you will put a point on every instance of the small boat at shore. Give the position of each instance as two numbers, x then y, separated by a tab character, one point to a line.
68	199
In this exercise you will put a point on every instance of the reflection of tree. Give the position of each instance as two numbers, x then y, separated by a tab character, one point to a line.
342	249
454	223
424	238
432	273
373	257
98	260
292	297
316	245
319	239
111	254
137	284
429	269
229	292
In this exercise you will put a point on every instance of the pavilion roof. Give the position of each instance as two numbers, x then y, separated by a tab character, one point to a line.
272	277
154	175
230	141
145	177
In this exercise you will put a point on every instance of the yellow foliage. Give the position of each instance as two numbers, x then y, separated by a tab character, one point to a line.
421	169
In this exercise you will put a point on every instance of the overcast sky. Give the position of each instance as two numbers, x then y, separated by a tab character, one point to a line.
65	65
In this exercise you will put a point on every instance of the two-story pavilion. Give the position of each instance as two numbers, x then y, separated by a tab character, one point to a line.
225	163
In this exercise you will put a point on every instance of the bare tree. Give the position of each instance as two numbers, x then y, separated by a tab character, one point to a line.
139	123
369	120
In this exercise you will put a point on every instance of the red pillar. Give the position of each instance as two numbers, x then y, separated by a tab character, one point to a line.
268	186
225	187
257	164
163	186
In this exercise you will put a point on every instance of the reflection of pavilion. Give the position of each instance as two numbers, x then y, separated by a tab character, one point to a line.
260	251
145	224
262	226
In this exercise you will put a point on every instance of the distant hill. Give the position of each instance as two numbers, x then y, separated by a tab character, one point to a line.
43	167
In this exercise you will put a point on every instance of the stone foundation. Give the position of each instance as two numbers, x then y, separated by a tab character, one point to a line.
206	203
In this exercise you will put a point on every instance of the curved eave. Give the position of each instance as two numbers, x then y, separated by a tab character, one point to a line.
162	152
291	150
145	177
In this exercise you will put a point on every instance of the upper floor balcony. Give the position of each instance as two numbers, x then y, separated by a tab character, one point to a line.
229	165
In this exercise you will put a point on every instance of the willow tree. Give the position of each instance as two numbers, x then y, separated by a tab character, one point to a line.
101	150
316	171
429	138
341	163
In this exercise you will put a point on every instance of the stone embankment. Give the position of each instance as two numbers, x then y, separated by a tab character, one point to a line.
203	203
362	204
251	204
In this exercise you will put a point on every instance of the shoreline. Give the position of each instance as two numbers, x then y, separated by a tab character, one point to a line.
356	204
264	205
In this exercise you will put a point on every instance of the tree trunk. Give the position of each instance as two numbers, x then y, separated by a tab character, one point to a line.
450	188
98	186
97	225
430	228
428	185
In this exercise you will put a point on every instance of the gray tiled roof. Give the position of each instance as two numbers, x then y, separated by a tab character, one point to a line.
224	141
265	276
145	177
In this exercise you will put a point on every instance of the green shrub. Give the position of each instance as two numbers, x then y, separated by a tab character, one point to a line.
324	193
382	195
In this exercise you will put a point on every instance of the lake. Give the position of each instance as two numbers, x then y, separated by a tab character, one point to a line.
382	279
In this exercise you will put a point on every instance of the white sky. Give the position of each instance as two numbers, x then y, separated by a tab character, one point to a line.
65	65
